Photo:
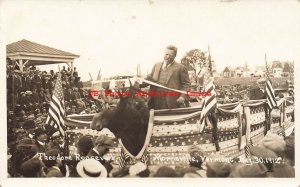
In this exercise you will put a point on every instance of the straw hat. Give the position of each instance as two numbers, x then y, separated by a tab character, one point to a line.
91	168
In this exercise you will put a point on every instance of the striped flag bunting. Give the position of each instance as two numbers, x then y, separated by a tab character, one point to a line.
122	159
270	95
269	89
56	111
210	101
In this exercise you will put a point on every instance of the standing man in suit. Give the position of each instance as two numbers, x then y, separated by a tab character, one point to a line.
170	74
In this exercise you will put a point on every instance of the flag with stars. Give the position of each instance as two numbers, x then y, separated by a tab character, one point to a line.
56	111
210	101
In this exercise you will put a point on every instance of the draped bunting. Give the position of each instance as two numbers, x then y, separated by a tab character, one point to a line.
240	124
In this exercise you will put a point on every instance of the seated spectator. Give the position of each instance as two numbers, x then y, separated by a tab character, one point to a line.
139	170
72	82
32	168
289	152
47	96
25	150
85	144
274	142
41	95
165	171
217	166
29	127
76	93
249	171
23	102
30	100
195	167
53	165
264	156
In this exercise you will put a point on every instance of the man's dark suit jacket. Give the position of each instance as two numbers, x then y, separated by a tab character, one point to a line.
257	93
178	78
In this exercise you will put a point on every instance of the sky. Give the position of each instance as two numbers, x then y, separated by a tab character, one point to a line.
116	36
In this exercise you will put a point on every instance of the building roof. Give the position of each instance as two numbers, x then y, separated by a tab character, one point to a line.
228	68
25	46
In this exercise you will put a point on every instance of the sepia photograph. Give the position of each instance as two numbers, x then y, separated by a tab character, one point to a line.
149	89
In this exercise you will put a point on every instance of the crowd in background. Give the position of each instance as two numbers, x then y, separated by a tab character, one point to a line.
29	95
30	91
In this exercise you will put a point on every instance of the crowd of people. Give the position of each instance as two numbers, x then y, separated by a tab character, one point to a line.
29	95
44	156
30	91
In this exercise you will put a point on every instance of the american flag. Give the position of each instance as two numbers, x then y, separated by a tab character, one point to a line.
270	95
210	101
269	89
56	111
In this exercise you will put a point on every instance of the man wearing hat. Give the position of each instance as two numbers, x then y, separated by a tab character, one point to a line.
26	82
41	138
56	142
264	156
45	83
29	100
29	127
274	142
217	166
277	144
26	149
289	153
166	171
84	145
22	100
37	81
258	92
53	163
102	145
32	168
196	165
256	170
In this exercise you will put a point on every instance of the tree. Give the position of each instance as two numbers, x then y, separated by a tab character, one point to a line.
196	59
286	67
